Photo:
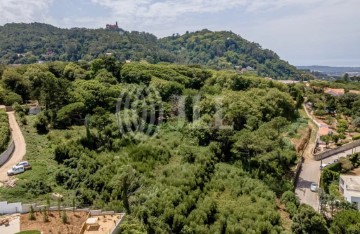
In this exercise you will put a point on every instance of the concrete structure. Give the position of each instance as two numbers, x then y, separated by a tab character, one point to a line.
350	188
102	223
98	222
341	151
7	153
34	110
10	224
10	208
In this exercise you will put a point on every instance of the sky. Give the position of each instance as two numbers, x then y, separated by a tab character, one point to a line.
302	32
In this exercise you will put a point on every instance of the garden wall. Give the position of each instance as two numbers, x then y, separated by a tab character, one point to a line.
10	208
338	150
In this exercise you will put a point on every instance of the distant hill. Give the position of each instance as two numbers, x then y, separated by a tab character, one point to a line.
224	49
30	43
332	71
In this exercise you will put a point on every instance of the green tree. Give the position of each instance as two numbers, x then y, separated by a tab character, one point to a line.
346	222
307	220
42	124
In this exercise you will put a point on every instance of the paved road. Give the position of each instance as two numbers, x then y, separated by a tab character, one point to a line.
310	171
20	147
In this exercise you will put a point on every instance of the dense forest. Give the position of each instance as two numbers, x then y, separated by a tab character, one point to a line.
30	43
183	177
180	149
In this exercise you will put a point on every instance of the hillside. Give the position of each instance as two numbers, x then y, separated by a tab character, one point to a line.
167	162
224	50
29	43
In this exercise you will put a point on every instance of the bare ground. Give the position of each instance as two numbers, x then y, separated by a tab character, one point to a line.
55	224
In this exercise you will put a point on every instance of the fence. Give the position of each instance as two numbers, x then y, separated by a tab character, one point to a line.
7	153
338	150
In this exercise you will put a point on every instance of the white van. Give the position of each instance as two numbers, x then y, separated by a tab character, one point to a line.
15	170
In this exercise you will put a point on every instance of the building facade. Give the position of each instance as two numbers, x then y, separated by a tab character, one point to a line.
350	188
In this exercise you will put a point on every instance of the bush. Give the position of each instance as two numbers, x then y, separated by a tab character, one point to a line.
37	187
289	196
31	213
291	208
307	220
357	137
346	222
23	120
64	217
42	124
4	131
11	98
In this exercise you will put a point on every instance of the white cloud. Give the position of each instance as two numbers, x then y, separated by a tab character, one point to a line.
23	10
169	9
326	33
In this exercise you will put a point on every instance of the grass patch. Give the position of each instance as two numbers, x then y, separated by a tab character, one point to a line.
29	232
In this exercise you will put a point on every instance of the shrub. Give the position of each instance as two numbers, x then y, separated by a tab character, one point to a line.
4	131
289	196
23	120
31	213
291	208
64	217
42	124
307	220
357	137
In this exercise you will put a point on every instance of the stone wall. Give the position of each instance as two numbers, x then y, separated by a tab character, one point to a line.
338	150
7	153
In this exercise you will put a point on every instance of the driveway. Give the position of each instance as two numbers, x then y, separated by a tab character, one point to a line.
20	147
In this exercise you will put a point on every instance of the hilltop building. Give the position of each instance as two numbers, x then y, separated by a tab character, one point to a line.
112	26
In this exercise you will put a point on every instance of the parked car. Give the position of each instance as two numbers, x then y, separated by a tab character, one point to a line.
323	166
26	165
313	187
16	170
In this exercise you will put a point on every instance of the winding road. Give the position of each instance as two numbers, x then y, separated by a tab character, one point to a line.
20	147
310	171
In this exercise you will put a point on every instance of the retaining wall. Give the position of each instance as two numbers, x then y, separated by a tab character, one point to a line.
10	208
7	153
117	226
338	150
299	164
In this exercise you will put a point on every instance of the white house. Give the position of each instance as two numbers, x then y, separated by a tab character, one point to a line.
350	188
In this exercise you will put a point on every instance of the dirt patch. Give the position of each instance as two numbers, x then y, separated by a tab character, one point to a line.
355	172
284	216
55	224
300	145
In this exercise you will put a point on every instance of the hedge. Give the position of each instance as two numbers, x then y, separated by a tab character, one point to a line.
4	131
